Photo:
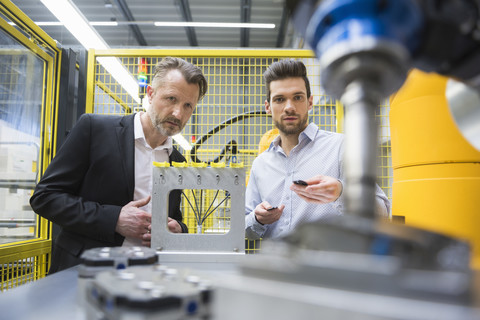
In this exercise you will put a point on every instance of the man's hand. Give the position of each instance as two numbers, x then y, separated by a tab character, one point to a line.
320	189
174	226
265	216
134	222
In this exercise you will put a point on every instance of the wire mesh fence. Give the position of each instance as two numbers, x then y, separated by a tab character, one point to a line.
230	123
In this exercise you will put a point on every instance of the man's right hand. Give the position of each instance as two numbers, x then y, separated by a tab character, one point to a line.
133	222
265	216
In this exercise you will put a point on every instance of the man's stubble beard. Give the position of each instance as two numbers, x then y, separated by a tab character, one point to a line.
289	130
157	123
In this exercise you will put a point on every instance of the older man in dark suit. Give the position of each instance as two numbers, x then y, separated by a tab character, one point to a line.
98	186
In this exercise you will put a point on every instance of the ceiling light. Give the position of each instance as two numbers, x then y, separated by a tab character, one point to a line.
67	13
104	23
80	28
93	23
214	24
48	23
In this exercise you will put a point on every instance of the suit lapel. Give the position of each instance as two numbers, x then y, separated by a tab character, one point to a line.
126	143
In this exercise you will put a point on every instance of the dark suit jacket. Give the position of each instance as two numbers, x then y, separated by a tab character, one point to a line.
88	182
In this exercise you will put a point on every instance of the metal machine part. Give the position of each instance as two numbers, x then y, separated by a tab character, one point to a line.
350	268
449	40
438	36
464	103
366	48
156	292
97	260
276	298
116	258
360	45
166	179
356	255
431	35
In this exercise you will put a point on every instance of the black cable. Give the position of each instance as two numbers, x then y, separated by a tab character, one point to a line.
231	144
211	203
213	210
191	206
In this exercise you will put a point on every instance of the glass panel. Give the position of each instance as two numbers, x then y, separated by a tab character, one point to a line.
21	94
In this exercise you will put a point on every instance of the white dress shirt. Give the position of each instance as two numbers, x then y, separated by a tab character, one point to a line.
144	157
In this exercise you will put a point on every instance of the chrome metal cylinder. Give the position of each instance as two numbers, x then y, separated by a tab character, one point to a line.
360	149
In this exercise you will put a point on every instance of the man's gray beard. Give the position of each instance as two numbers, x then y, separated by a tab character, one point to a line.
157	124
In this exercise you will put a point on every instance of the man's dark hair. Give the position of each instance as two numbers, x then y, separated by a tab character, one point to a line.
191	73
286	69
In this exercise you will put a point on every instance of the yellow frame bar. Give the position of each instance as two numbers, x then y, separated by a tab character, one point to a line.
254	53
46	49
17	16
34	249
90	98
112	95
24	40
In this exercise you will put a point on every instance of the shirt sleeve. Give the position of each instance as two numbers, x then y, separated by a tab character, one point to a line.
338	203
253	229
382	204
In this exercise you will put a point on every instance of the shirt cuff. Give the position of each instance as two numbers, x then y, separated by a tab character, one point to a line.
253	226
338	203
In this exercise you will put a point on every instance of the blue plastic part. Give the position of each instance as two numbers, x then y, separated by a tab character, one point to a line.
381	245
121	266
192	307
109	304
336	21
94	293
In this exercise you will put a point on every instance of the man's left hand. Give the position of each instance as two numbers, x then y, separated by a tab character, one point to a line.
321	189
174	226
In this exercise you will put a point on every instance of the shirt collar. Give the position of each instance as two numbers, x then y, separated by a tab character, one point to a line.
308	133
140	136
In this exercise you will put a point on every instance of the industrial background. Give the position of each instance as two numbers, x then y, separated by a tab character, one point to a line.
63	58
46	86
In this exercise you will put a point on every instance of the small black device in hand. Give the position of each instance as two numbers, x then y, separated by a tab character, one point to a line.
270	209
300	182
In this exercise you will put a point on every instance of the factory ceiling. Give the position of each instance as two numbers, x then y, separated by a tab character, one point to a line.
136	19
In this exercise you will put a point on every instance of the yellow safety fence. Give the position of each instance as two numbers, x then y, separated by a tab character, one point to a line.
229	125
